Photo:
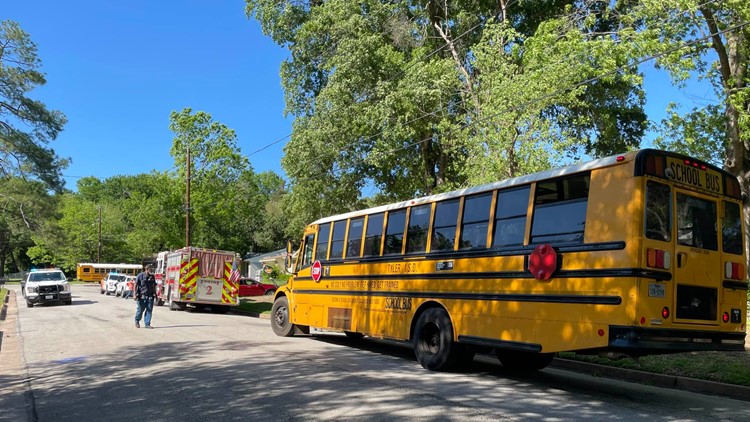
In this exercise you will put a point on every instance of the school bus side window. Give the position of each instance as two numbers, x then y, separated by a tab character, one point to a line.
394	232
476	220
510	217
560	210
321	248
658	211
374	234
308	251
354	241
419	223
337	242
444	226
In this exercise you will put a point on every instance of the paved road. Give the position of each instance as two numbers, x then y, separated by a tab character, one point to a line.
88	362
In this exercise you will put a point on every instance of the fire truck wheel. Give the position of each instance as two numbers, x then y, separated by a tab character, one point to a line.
173	306
280	323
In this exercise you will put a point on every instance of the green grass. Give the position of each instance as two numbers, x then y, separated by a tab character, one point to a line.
3	293
724	367
248	305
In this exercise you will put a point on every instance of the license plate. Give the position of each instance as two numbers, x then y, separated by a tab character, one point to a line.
656	290
48	297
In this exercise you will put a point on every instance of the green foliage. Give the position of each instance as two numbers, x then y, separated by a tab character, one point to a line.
26	125
277	276
221	180
414	98
728	368
26	209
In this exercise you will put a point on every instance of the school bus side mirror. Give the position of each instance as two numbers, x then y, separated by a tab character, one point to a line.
288	263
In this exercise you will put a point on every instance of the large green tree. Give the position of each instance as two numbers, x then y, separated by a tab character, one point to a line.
709	40
412	97
29	169
226	201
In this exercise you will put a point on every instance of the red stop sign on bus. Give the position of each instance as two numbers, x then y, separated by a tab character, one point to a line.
316	271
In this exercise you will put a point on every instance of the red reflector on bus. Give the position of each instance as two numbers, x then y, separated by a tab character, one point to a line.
620	158
725	317
601	333
665	312
734	271
657	258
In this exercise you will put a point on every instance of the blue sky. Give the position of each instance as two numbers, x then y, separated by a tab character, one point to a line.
117	69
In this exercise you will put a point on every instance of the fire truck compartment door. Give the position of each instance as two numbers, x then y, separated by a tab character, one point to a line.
209	289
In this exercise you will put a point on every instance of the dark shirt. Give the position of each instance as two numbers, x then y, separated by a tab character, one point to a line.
145	285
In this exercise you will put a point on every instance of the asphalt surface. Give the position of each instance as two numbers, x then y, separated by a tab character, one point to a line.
87	362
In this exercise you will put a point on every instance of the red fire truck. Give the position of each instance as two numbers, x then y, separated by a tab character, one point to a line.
202	278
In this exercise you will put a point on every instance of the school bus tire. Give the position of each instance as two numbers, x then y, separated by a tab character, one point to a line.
280	322
433	341
517	361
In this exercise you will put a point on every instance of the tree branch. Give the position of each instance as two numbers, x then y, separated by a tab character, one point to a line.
718	45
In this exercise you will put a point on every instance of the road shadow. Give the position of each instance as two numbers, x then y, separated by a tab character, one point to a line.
287	381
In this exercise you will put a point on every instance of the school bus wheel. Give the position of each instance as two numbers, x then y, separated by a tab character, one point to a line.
280	318
518	361
433	340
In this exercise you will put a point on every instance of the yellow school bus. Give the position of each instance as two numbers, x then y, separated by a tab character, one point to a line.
86	271
639	253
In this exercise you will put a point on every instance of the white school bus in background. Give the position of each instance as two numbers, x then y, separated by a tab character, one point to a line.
639	253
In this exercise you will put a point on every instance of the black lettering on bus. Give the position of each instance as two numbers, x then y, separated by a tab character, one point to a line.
713	182
398	303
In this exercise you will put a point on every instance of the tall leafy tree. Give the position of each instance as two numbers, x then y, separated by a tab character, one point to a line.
394	96
710	39
28	167
26	125
224	193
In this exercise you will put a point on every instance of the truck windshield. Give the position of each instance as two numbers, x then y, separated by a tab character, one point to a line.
52	276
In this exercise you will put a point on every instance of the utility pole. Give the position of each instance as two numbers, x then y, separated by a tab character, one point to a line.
99	249
187	201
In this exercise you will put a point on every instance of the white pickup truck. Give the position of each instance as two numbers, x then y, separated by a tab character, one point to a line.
42	286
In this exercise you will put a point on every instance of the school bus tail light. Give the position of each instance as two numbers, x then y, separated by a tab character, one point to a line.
657	258
734	271
665	312
725	317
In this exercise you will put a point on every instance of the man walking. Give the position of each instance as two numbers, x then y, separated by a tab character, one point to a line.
143	293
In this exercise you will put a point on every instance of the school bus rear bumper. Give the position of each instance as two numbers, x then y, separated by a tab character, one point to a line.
652	341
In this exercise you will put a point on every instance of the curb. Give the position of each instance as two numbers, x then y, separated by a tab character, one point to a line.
4	310
659	380
250	314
